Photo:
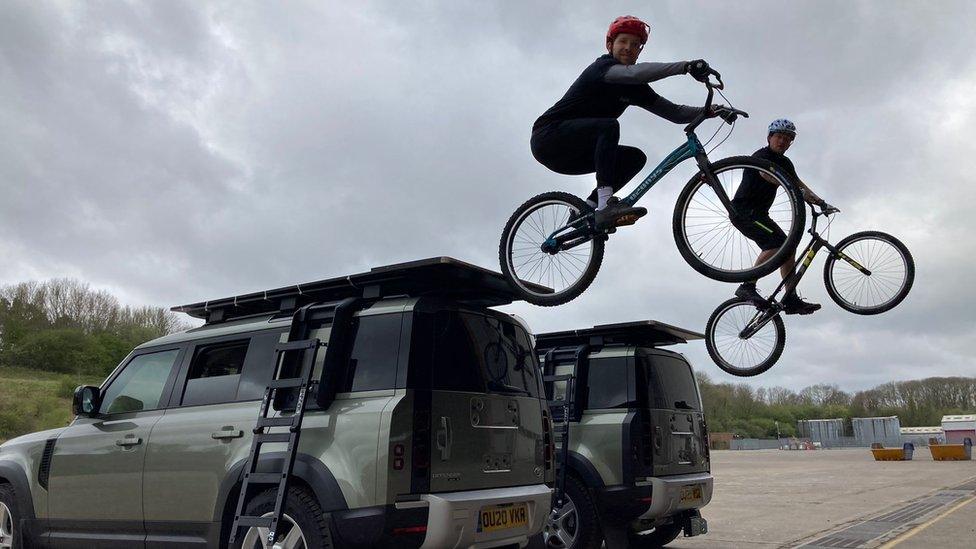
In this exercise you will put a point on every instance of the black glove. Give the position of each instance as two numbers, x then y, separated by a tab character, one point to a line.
698	69
726	113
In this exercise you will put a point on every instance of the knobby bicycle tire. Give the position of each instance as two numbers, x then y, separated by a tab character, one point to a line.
830	274
524	288
739	275
779	330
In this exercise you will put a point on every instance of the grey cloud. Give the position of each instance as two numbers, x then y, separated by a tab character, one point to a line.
177	151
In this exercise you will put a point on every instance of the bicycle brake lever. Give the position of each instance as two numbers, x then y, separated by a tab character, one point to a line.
720	85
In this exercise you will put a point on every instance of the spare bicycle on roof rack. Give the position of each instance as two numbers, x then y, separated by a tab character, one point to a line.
866	273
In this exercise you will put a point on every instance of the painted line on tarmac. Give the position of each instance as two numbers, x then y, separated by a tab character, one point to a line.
892	525
926	524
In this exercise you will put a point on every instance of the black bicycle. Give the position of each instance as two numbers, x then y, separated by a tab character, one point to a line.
866	273
551	249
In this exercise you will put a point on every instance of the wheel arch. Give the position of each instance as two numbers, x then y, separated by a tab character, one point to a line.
582	468
307	471
16	477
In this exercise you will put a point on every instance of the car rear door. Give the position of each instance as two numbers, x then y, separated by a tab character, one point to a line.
678	440
485	411
207	429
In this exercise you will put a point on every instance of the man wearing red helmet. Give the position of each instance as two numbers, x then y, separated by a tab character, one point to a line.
580	133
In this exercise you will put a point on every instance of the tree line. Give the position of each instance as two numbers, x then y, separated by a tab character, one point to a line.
63	325
766	412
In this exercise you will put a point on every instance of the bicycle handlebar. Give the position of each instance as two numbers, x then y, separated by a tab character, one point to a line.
707	110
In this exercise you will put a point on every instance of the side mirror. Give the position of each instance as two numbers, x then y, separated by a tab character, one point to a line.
86	400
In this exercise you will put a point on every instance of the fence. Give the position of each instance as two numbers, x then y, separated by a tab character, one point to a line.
757	443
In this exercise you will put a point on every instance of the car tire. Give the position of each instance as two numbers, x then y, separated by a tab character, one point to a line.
10	517
584	529
302	510
659	537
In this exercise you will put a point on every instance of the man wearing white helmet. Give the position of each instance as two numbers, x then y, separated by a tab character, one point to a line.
752	202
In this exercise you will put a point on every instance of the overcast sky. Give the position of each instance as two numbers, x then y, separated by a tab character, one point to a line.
172	152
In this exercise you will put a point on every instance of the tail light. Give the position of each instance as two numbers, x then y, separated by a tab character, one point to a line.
410	530
399	453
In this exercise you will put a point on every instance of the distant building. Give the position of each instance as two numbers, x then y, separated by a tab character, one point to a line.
821	430
868	430
959	428
919	436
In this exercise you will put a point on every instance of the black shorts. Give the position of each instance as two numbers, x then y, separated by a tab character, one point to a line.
761	229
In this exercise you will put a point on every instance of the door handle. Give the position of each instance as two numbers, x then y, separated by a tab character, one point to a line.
444	433
227	432
128	441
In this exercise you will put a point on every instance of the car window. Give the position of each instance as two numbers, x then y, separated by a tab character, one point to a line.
139	386
471	352
375	349
259	365
670	383
608	383
215	373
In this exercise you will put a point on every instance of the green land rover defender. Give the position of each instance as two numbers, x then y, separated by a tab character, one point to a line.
631	441
422	425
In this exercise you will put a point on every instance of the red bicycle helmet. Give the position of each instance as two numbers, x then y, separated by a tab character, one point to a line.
628	24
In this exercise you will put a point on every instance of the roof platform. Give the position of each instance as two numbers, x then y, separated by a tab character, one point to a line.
437	276
649	333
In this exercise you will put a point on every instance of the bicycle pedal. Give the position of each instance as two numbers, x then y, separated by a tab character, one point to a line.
625	220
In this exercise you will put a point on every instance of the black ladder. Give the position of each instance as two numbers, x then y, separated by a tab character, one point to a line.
570	411
308	351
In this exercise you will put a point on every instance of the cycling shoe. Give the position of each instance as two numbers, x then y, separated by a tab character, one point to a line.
618	214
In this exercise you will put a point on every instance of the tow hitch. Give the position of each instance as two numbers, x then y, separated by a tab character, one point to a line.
695	525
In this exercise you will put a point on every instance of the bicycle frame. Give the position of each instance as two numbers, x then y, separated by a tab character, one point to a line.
690	149
581	230
816	243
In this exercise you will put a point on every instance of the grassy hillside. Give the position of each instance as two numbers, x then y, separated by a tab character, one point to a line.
33	400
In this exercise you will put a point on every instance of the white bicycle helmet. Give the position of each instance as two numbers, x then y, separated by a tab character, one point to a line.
782	125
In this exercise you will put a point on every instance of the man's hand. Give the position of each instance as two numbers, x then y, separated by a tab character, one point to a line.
726	113
698	69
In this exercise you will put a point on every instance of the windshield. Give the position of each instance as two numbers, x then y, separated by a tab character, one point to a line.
670	383
462	351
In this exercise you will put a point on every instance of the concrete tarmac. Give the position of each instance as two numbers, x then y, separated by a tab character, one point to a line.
780	498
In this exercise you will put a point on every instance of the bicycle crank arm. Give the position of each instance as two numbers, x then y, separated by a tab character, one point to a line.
753	327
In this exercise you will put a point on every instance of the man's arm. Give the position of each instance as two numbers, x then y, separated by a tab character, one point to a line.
808	195
642	73
679	114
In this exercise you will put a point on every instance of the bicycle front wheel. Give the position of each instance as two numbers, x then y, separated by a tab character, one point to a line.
739	354
544	276
715	247
871	273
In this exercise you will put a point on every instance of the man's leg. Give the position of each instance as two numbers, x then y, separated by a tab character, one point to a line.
629	161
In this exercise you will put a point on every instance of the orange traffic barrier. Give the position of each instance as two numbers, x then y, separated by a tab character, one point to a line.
904	453
951	452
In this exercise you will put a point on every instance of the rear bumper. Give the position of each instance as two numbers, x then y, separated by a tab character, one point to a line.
453	517
666	495
441	520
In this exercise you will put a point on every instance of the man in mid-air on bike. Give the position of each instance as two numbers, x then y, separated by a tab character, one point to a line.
752	202
580	133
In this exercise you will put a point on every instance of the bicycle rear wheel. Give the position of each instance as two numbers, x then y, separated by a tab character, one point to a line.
872	273
739	356
543	277
704	232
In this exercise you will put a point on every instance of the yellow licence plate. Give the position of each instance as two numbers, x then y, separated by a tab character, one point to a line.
501	517
691	493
